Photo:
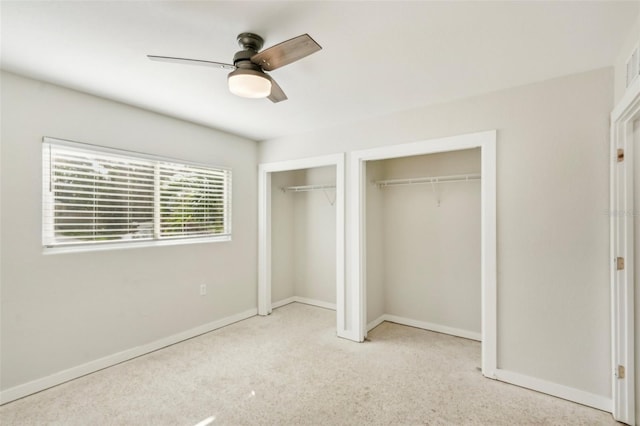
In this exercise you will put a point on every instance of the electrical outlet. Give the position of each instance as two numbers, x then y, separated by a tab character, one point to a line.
203	289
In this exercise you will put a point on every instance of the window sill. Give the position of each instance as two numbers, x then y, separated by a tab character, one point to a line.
131	245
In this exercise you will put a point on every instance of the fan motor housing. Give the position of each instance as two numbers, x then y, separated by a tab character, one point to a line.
251	44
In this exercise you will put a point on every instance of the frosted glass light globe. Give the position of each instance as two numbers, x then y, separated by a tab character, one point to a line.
249	84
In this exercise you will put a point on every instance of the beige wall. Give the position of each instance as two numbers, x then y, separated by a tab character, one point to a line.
282	248
63	310
552	196
375	247
315	237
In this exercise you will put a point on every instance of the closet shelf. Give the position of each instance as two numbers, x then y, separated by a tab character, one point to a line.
427	179
306	188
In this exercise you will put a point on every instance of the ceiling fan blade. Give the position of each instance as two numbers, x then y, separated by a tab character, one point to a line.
192	62
277	94
286	52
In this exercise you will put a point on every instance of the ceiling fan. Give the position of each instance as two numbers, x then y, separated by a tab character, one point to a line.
248	78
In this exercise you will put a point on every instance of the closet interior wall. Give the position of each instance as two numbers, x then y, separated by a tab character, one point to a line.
303	246
423	243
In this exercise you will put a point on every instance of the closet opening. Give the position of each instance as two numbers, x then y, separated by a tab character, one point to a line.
423	252
303	223
301	235
423	239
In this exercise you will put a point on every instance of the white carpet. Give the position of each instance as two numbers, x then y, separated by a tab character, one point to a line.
291	369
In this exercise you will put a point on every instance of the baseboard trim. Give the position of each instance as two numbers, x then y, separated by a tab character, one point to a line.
318	303
41	384
283	302
538	385
306	301
376	322
554	389
425	326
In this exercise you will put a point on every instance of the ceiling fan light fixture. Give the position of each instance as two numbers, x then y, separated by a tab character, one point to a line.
249	79
249	83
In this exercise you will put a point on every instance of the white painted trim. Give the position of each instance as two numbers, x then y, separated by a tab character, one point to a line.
549	388
431	146
622	240
132	244
489	256
434	327
466	334
554	389
630	95
283	302
264	241
376	322
60	377
486	141
264	230
305	301
318	303
356	248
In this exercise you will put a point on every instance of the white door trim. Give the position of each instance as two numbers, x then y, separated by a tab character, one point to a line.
264	229
486	141
622	216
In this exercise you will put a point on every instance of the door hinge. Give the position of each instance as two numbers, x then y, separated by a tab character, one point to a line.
620	155
620	372
619	263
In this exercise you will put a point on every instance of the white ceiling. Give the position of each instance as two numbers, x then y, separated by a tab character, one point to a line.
377	57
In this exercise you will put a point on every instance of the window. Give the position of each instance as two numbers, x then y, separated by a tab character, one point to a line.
98	196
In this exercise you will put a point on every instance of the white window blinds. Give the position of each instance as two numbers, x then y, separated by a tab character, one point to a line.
193	200
95	196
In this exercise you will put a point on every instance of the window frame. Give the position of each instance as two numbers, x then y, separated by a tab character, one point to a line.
48	199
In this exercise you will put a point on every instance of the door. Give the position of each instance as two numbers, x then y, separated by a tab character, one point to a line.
625	256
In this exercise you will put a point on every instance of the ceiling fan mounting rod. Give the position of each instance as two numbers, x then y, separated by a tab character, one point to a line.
250	41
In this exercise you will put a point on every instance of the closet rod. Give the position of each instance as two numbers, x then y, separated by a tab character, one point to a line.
428	179
305	188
